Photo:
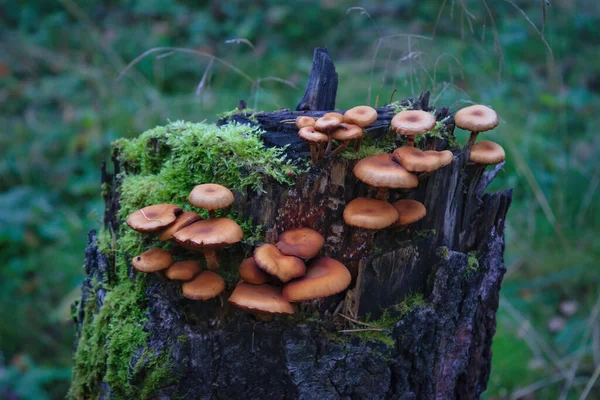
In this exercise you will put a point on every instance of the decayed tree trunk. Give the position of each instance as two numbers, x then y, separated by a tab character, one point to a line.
434	347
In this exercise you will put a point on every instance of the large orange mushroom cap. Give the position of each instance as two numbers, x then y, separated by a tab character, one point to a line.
324	277
183	270
152	218
209	233
206	285
347	132
368	213
251	273
382	171
409	211
181	222
416	160
362	116
413	122
304	243
487	153
260	298
329	122
476	118
211	196
311	135
304	121
271	260
152	260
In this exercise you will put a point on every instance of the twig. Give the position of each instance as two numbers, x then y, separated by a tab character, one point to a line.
357	321
361	330
590	383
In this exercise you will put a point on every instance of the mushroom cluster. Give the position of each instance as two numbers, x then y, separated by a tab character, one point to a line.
477	119
335	126
278	274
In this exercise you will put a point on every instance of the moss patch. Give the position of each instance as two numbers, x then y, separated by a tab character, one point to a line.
473	264
371	147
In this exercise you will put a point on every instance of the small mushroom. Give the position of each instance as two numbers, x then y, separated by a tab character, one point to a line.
409	211
260	299
314	139
368	213
181	222
271	260
362	116
208	235
304	121
303	243
152	260
345	134
324	277
211	197
251	273
477	119
328	123
416	160
412	123
205	286
183	270
382	172
152	218
485	152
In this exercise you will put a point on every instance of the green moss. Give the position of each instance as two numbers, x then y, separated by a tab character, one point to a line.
425	233
473	264
443	252
396	106
371	147
247	112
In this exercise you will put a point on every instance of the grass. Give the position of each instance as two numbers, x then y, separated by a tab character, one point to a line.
62	107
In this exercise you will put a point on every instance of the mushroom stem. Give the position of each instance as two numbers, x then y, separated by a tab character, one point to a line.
212	214
357	144
340	148
212	262
328	149
472	138
410	141
313	153
382	193
320	151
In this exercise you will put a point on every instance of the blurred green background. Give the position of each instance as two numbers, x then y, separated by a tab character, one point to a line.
61	105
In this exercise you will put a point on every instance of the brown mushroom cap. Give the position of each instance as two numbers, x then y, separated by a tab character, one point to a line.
382	171
304	243
209	233
183	270
347	132
251	273
416	160
304	121
368	213
311	135
329	122
324	277
262	298
476	118
413	122
487	153
409	211
362	116
204	286
152	218
153	260
211	196
269	259
181	222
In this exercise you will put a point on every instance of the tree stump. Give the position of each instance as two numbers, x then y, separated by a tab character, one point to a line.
423	299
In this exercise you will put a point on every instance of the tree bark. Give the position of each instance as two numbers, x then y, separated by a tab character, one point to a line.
437	347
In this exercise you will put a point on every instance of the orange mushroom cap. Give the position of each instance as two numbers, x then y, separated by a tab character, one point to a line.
311	135
409	211
416	160
362	116
269	259
324	277
251	273
304	243
413	122
209	233
152	260
487	153
347	132
181	222
476	118
206	285
152	218
183	270
260	298
304	121
329	122
382	171
368	213
211	196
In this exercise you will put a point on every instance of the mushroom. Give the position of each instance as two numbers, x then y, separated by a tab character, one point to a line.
362	116
304	121
152	218
251	273
205	286
181	222
152	260
477	119
416	160
485	152
269	259
260	299
303	243
183	270
368	213
412	123
409	211
211	197
324	277
208	235
346	133
328	123
314	138
382	172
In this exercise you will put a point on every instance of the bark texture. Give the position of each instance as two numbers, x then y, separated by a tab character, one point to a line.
439	347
